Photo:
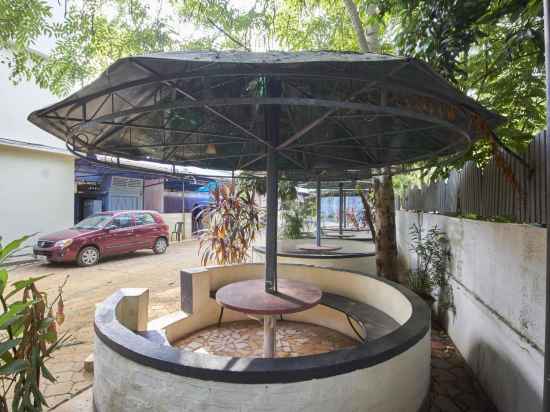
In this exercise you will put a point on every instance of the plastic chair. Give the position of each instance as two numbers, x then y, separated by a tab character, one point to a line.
178	231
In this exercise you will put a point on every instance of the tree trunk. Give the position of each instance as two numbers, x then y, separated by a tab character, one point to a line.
357	25
368	212
386	246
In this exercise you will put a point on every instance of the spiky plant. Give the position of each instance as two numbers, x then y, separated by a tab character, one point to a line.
233	221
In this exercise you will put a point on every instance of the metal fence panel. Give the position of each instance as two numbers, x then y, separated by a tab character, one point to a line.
491	191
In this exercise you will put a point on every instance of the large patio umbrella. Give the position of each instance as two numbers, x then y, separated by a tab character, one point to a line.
341	114
339	186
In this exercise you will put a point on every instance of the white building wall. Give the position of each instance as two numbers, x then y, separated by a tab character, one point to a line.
17	102
36	192
498	275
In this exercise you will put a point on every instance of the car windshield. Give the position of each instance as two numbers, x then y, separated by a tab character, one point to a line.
94	222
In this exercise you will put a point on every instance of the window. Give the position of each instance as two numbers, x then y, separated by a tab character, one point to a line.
122	221
144	219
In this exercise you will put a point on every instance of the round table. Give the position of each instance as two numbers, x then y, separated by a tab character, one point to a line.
250	297
316	248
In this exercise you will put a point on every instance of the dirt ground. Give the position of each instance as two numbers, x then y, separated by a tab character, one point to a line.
88	286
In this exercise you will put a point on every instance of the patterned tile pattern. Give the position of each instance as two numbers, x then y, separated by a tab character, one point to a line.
245	339
454	388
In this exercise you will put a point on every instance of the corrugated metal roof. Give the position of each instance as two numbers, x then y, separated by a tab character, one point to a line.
34	146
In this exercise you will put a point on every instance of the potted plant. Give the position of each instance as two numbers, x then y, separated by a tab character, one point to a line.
430	278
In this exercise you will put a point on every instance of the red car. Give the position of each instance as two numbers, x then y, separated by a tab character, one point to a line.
105	234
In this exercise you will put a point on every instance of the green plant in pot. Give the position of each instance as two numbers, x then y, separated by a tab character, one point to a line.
431	275
28	337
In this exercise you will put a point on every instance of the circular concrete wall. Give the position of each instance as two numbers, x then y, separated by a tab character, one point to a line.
354	255
136	368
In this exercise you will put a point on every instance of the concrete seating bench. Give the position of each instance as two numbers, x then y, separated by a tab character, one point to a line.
373	322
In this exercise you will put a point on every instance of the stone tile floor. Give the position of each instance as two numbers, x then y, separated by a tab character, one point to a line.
245	339
453	385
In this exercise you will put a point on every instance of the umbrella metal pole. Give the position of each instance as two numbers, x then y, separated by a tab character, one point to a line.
341	210
271	225
546	383
272	115
318	232
183	208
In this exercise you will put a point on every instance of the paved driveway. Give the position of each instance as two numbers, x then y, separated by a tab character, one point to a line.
88	286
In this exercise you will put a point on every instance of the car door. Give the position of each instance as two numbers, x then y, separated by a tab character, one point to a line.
145	230
120	237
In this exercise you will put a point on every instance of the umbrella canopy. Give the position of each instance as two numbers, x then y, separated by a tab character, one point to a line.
340	112
308	114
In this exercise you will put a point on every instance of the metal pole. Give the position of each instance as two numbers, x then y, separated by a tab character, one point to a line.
341	210
345	206
318	232
272	115
546	383
269	335
183	207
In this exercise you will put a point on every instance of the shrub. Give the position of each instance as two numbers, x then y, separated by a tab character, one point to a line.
29	337
431	274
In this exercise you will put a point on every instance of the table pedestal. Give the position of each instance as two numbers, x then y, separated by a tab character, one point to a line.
270	336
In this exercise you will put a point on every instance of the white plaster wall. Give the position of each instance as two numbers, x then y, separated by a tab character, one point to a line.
121	385
36	192
17	102
498	275
153	195
172	218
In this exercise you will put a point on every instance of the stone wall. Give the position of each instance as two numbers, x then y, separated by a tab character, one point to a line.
498	276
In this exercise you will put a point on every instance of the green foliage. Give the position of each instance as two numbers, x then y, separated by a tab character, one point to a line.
29	339
21	23
233	221
295	216
431	273
250	183
494	219
491	49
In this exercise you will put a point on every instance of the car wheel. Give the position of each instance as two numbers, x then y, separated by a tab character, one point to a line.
160	246
88	256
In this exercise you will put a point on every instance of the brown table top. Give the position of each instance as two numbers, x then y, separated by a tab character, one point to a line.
322	248
249	296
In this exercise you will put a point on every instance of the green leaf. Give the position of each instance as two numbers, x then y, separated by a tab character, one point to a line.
22	284
12	247
9	321
8	345
3	280
14	367
47	374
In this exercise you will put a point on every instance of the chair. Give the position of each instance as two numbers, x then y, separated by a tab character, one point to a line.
178	231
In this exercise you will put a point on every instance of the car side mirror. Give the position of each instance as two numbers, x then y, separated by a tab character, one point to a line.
110	227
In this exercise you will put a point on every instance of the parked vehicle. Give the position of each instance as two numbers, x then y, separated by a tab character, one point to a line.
105	234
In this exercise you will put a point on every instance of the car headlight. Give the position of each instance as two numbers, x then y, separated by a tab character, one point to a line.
63	243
